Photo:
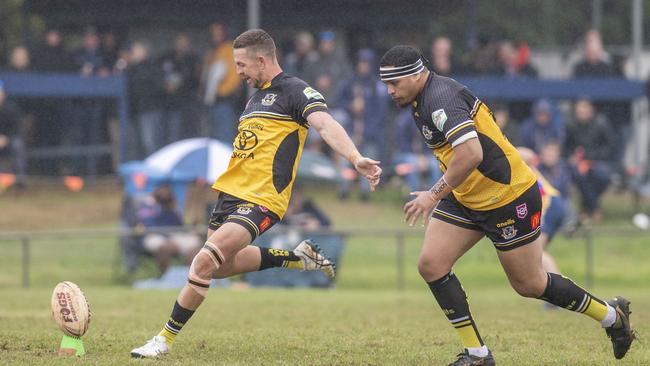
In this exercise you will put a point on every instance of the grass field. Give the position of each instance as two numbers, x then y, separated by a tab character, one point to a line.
363	321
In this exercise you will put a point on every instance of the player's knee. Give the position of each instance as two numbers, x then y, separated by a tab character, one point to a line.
202	266
529	287
207	261
431	269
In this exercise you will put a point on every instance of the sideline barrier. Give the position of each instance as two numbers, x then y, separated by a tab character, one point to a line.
25	238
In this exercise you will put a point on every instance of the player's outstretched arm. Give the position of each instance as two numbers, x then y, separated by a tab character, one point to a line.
336	137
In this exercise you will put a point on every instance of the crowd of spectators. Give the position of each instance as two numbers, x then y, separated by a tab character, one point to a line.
176	93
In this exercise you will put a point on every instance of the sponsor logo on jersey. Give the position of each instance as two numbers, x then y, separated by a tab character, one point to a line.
508	232
241	155
269	99
506	223
522	211
312	93
439	118
263	209
426	132
246	140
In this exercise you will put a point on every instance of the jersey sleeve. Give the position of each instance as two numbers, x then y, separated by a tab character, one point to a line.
455	120
305	100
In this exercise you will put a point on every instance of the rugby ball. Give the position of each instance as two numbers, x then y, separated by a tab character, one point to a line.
70	309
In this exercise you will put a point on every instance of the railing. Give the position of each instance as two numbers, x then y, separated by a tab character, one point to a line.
25	238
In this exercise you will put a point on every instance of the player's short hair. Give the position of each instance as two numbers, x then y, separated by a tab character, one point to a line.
400	55
401	61
257	41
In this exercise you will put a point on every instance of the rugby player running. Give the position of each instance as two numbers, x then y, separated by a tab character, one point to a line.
486	190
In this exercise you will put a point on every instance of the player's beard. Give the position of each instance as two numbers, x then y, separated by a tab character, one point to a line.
257	81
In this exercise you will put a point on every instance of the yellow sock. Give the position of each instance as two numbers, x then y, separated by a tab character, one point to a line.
169	336
293	264
595	309
468	334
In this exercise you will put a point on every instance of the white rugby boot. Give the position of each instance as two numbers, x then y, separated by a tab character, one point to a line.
313	259
154	348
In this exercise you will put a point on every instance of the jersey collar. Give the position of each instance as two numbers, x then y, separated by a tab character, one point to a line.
269	83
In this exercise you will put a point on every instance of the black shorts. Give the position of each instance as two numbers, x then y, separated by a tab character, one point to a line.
509	226
255	218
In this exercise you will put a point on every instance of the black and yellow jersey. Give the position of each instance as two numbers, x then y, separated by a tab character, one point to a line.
271	135
448	114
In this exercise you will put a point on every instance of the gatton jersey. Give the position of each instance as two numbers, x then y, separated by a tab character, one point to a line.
271	135
448	114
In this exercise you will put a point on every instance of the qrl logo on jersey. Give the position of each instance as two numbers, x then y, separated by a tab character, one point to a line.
246	140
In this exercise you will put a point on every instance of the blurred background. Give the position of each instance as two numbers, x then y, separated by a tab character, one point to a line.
116	116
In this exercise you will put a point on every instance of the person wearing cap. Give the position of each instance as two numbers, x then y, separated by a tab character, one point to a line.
486	190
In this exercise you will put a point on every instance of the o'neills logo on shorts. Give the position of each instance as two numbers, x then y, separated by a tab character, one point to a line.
505	223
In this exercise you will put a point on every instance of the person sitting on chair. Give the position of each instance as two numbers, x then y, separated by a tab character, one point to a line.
162	244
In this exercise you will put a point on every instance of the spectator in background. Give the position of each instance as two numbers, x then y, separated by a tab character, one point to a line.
145	85
179	70
442	60
589	145
327	73
110	50
485	60
19	60
13	159
329	69
594	62
506	124
86	125
412	158
303	56
514	62
51	115
543	126
51	56
170	242
89	59
554	167
365	100
221	86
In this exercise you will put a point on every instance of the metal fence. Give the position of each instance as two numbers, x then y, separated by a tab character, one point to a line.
25	240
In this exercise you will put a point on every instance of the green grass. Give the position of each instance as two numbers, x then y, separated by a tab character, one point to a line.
365	320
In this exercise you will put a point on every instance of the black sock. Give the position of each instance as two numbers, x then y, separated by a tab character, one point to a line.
176	321
453	301
561	291
279	258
